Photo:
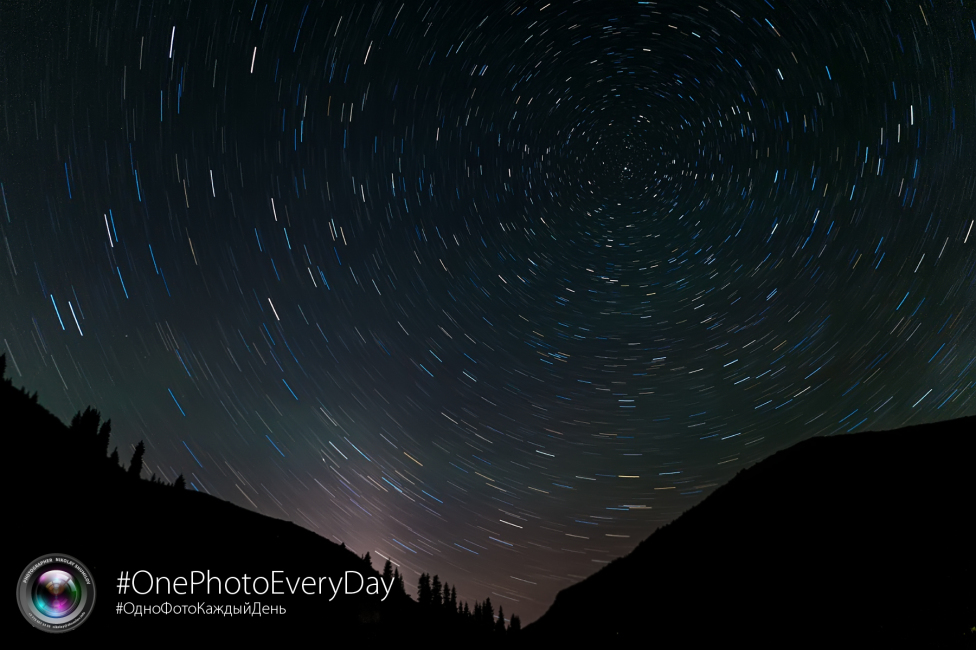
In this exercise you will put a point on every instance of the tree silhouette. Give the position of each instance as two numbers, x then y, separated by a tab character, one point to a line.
86	423
446	600
114	458
398	583
180	483
101	441
423	590
135	466
487	616
94	439
515	625
435	596
368	560
500	622
387	572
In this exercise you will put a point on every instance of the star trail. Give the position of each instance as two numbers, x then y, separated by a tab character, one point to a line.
491	289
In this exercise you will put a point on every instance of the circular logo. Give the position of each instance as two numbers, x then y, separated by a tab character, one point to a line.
56	593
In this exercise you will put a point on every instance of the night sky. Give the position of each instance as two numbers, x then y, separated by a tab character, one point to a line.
492	289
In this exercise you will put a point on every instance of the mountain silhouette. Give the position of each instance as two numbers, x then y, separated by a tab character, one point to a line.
67	496
864	538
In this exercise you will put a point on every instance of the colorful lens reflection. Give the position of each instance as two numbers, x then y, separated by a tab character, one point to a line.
55	593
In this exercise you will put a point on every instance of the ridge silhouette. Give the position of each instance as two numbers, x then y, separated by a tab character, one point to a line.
858	538
71	498
864	538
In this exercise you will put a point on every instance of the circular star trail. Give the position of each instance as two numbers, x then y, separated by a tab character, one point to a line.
490	289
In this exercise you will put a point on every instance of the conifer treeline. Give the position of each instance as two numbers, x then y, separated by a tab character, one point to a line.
441	600
88	438
94	435
390	573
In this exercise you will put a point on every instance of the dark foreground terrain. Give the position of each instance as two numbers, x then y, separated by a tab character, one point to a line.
858	539
864	539
68	495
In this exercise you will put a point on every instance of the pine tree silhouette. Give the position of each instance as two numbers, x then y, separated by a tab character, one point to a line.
368	560
446	599
398	583
102	439
135	466
435	596
94	439
180	483
487	616
114	458
86	423
515	625
500	622
423	590
387	572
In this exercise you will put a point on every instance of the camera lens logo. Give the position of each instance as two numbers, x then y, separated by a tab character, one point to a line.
56	593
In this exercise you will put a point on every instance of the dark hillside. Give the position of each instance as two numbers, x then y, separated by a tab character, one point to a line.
69	496
867	536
